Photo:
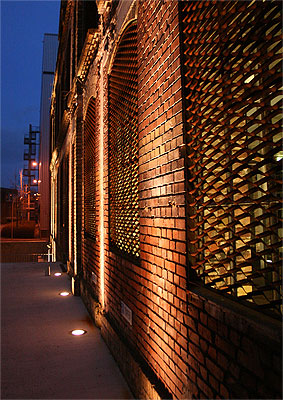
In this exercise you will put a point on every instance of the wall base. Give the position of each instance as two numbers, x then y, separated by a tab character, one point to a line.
140	378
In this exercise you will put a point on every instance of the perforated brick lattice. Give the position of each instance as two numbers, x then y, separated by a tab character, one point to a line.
90	162
63	212
233	86
72	203
123	146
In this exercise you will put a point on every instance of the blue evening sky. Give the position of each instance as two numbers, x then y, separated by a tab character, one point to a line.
23	24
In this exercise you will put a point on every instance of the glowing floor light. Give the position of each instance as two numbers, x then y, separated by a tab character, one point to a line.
64	294
78	332
57	274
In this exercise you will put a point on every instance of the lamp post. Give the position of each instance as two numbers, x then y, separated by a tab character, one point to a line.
29	205
12	219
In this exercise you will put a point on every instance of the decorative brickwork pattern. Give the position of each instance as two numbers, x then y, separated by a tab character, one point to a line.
63	210
71	222
90	168
172	336
120	267
78	183
232	69
123	146
91	243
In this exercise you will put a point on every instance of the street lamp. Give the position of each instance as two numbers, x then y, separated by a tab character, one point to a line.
12	219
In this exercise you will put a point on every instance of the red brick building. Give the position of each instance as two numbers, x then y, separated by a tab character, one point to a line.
166	189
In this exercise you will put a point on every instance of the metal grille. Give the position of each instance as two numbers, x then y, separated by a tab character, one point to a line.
90	162
123	146
233	89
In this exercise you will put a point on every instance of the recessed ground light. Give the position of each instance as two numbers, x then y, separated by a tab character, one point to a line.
78	332
57	274
64	293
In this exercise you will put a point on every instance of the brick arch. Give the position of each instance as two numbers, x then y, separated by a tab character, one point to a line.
90	156
125	29
123	146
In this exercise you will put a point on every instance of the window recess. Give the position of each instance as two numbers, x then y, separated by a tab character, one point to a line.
232	73
123	147
90	169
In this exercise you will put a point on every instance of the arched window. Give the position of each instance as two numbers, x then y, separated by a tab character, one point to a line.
123	146
90	162
63	208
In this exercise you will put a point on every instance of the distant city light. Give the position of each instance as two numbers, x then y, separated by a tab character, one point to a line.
34	181
34	163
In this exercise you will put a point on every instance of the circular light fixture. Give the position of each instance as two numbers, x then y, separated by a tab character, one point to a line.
57	274
64	294
78	332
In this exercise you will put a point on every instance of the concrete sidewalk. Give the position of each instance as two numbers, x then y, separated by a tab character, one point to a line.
40	358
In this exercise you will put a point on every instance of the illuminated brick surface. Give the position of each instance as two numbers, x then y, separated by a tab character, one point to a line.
162	332
172	336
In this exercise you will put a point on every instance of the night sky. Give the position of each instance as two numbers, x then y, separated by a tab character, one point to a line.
23	24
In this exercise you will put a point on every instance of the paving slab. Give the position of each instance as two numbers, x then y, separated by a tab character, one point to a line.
40	358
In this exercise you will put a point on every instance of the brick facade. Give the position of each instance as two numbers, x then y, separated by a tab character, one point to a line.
233	351
162	330
172	337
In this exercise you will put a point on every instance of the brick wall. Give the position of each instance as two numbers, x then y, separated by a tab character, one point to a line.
71	222
234	352
180	343
78	182
17	251
63	210
154	288
121	273
91	246
162	275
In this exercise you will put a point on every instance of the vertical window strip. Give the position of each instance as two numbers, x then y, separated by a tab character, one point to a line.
123	147
90	162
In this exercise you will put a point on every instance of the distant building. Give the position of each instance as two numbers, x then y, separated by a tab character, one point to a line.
50	45
166	189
